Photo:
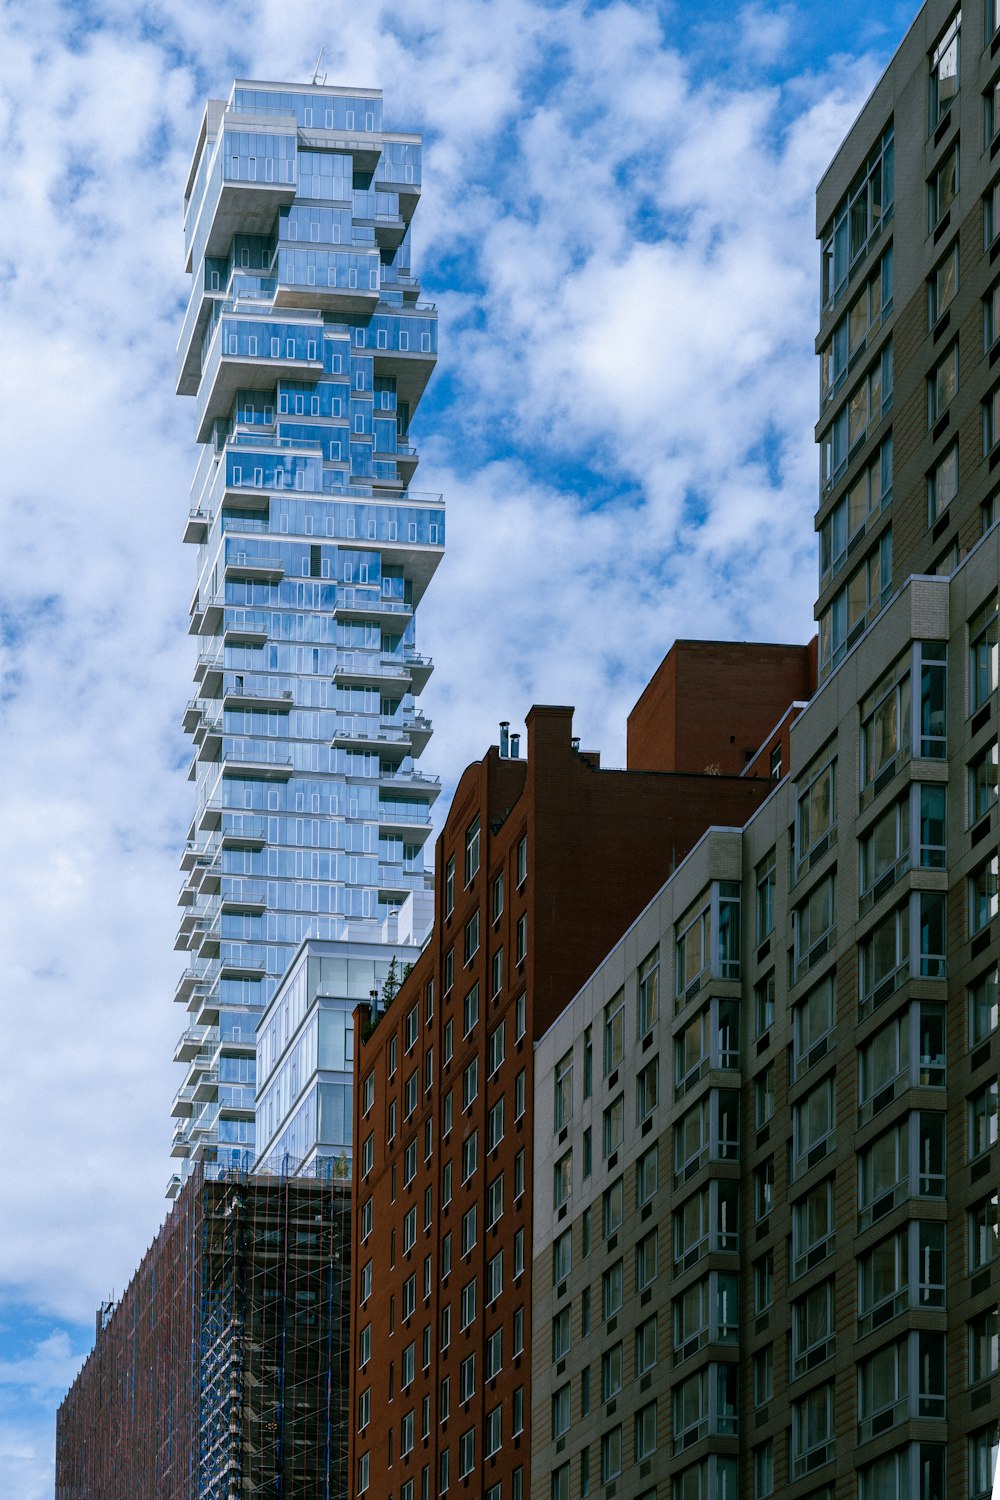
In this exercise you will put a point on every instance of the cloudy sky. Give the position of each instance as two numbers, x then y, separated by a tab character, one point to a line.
617	228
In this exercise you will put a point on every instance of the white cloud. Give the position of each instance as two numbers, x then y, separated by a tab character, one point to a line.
621	248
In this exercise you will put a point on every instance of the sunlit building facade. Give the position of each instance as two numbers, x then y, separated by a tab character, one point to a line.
306	348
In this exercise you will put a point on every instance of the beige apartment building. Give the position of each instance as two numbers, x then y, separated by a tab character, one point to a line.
765	1176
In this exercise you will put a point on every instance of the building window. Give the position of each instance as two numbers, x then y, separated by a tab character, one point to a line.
563	1091
561	1335
763	1282
471	941
522	861
611	1287
649	986
614	1125
494	1202
472	850
494	1354
812	1329
519	1095
368	1093
562	1256
494	1126
983	1119
470	1153
521	939
497	973
468	1305
562	1179
495	1050
646	1261
645	1346
983	655
467	1453
816	812
614	1032
983	895
763	1189
611	1372
812	1228
984	1012
814	926
763	1096
983	778
611	1454
942	384
812	1431
764	1004
765	879
561	1411
520	1016
449	887
647	1090
942	484
470	1083
813	1123
763	1471
942	187
904	1270
858	218
906	1161
984	1351
470	1010
497	906
646	1174
944	71
942	284
984	1450
613	1205
467	1378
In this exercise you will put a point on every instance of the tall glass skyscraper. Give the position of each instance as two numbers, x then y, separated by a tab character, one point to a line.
307	348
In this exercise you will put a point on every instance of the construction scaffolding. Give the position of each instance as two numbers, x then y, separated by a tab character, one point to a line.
222	1372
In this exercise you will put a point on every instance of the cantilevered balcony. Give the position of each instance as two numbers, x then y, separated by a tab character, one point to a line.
415	827
331	279
353	604
183	1105
239	895
190	1044
240	196
260	699
188	982
407	780
236	360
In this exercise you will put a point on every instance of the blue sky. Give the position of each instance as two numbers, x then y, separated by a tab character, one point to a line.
617	228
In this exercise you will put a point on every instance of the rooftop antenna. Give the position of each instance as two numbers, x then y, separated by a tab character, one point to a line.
319	62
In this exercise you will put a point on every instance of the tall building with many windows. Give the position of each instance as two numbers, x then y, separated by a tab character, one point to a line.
540	865
766	1247
908	218
306	348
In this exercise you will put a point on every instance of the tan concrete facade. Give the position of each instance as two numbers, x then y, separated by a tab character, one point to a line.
789	1243
907	333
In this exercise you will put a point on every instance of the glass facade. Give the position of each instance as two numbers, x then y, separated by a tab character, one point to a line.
306	348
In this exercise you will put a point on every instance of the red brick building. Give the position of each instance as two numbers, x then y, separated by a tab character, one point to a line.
713	704
540	867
